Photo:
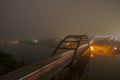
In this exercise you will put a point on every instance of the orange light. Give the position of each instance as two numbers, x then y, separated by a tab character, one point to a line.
67	44
91	48
102	50
91	55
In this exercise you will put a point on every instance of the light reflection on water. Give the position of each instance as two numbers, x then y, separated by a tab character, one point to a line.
103	63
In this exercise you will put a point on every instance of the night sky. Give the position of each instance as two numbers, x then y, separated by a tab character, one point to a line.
27	19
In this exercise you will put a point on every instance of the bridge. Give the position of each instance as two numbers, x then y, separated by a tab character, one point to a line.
48	68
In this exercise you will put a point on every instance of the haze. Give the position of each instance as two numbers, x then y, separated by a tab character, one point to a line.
26	19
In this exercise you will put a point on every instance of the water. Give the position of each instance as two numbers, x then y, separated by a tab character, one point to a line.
101	63
103	67
28	53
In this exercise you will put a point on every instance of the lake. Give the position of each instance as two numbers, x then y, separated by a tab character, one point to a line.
101	62
30	53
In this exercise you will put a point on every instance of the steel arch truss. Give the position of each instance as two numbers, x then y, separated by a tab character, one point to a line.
72	42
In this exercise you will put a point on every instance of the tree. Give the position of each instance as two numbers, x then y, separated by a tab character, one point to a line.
7	63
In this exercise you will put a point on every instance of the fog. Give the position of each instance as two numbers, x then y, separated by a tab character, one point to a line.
26	19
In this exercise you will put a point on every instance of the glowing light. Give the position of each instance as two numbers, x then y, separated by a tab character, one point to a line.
14	42
115	48
91	48
103	50
70	44
35	41
67	44
91	55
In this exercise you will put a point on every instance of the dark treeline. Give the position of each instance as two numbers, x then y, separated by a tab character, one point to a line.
8	63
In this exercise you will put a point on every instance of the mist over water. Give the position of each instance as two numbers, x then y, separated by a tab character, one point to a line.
48	21
26	19
28	53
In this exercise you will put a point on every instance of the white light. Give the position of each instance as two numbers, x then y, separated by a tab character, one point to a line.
115	48
35	41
